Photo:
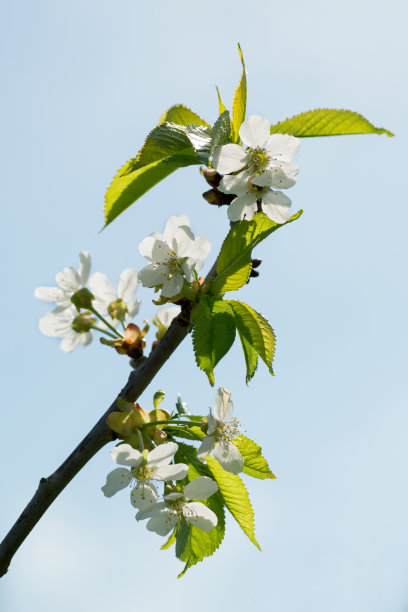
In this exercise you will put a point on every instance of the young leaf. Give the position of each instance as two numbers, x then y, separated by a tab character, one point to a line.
193	544
221	106
170	541
221	131
166	149
239	101
213	333
234	261
235	497
255	464
327	122
256	330
182	115
200	138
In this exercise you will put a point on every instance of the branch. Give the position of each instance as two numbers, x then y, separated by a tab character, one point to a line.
49	488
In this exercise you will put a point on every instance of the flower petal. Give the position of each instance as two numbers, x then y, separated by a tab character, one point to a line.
162	521
167	313
206	447
69	280
84	266
49	294
152	275
161	455
282	175
127	284
200	516
200	488
70	341
55	325
254	131
172	286
144	496
234	183
172	226
229	457
146	246
243	207
85	338
283	146
116	480
133	307
229	158
124	454
178	471
102	288
144	514
276	206
223	405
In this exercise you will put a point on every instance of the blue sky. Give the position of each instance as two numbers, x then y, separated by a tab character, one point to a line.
84	83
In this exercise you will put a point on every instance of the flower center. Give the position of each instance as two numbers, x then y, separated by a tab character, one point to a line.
259	158
228	431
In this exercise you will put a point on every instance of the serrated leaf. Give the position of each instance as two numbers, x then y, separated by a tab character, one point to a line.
239	101
327	122
251	357
256	330
193	544
200	138
221	106
234	261
166	149
235	497
255	464
213	333
182	115
221	131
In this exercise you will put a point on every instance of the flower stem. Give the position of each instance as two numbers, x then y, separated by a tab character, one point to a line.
103	331
170	421
115	331
148	438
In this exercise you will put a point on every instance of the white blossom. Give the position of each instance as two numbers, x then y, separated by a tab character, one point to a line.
222	430
165	515
69	281
58	324
143	469
107	297
174	256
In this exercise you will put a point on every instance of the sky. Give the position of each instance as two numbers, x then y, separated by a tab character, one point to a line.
84	82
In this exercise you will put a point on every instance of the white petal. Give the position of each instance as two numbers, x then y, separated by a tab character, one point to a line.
102	288
172	286
162	455
144	496
277	176
200	488
206	447
70	341
49	294
85	338
162	522
144	514
276	205
243	207
200	249
84	266
254	131
167	313
188	268
152	275
200	516
182	242
146	246
116	480
283	146
173	496
133	307
55	325
229	457
128	284
172	226
229	158
223	405
212	423
178	471
161	252
69	280
234	183
124	454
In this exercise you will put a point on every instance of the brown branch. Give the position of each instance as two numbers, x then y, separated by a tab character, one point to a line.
49	488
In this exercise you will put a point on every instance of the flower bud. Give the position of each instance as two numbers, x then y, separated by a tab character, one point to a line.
82	299
118	309
211	175
83	323
217	198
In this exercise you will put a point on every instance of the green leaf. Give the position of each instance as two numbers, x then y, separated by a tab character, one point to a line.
255	464
235	497
327	122
221	107
193	544
256	330
182	115
189	433
166	149
200	138
239	101
171	540
234	262
251	357
213	333
221	130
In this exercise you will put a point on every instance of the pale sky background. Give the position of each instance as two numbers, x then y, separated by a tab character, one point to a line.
83	83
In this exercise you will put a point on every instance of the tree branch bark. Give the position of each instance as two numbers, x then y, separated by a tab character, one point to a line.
49	488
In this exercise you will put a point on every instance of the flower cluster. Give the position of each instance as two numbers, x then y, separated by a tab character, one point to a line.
251	174
74	323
